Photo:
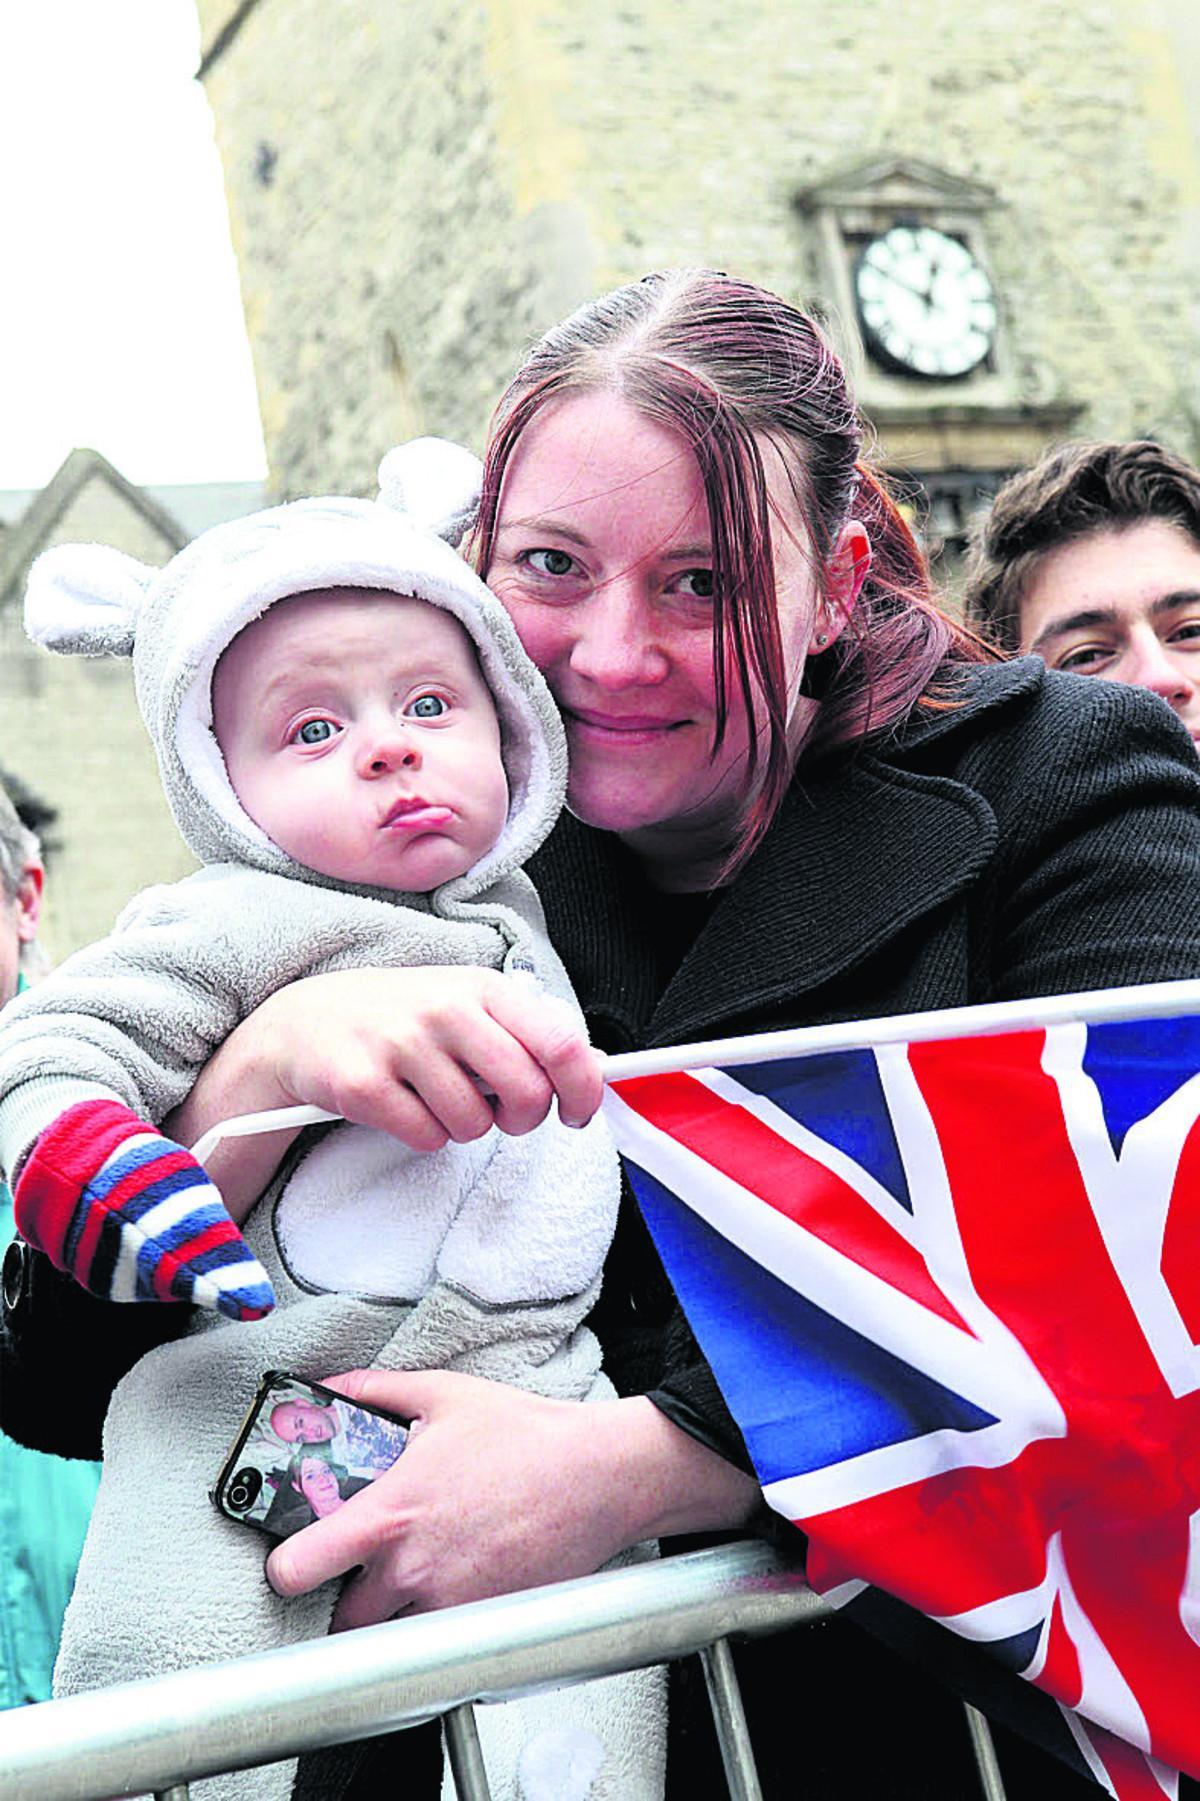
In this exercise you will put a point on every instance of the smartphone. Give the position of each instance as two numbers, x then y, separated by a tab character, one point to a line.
302	1451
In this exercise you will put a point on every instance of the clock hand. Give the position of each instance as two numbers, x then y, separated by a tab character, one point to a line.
925	294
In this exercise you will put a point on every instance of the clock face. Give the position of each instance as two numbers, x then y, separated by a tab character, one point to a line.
925	304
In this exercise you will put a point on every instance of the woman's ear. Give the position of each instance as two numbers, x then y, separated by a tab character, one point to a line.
848	566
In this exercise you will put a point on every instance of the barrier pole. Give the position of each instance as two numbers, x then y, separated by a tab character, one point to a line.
990	1780
466	1758
169	1730
729	1718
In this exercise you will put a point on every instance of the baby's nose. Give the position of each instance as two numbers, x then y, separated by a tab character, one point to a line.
389	750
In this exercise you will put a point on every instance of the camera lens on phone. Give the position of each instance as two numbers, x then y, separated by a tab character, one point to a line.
243	1490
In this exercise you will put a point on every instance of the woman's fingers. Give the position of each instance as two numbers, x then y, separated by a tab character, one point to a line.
473	1507
374	1089
499	1490
471	1045
328	1548
381	1533
369	1597
558	1049
408	1395
432	1055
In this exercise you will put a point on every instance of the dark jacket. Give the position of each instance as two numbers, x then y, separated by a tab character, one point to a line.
1041	836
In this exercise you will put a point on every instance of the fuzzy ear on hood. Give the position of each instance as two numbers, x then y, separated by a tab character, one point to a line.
84	600
436	483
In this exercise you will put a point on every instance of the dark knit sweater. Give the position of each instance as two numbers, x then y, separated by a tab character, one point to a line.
1043	837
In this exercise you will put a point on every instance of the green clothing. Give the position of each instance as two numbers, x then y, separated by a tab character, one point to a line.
44	1507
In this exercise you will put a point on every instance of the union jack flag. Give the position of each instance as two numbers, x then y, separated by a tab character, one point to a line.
947	1273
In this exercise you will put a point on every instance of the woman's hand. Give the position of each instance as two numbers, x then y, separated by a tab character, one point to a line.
430	1055
501	1490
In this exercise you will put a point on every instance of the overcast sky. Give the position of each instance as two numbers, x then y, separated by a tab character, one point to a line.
120	321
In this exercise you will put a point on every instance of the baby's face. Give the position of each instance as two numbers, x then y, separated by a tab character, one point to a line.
359	734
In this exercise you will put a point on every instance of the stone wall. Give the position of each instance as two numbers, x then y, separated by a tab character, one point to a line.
417	188
82	746
387	278
69	726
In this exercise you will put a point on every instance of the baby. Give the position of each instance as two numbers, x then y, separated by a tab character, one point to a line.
357	749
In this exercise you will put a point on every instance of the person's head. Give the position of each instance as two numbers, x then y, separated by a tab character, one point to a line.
678	518
359	733
303	1422
318	1480
21	879
371	595
1091	559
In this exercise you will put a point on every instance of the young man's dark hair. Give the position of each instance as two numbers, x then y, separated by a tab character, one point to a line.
1074	491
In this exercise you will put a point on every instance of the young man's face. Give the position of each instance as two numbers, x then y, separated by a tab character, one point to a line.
1125	605
359	734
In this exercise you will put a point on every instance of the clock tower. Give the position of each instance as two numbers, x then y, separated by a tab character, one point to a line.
900	247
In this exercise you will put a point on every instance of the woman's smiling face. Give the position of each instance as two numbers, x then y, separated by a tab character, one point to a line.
603	558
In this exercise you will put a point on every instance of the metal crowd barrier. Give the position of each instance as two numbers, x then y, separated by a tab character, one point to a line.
159	1735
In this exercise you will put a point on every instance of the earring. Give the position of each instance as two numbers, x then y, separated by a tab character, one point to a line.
822	638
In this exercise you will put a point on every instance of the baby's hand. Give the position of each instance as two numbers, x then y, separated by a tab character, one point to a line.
133	1217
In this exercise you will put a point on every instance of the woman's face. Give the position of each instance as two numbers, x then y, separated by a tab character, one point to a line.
319	1486
603	558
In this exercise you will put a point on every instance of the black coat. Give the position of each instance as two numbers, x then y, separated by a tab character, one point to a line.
1041	836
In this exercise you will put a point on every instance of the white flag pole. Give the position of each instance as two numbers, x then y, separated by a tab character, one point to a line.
248	1125
1157	1000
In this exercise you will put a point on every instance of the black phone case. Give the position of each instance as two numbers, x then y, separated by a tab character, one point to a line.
302	1451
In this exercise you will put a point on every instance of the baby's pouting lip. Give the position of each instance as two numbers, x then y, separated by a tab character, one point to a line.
414	814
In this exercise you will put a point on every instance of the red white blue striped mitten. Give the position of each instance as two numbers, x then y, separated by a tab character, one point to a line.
133	1217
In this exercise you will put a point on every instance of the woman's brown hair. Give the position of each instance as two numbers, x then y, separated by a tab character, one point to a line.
730	367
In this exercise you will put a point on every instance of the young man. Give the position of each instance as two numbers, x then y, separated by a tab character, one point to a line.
1091	559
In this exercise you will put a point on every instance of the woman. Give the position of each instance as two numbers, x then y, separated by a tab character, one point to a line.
311	1488
797	795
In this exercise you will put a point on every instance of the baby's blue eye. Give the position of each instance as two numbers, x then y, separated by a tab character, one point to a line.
427	706
316	731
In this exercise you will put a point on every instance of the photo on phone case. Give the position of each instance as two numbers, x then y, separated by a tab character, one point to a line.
302	1453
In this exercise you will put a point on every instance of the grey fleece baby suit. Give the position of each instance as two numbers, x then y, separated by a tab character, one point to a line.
484	1258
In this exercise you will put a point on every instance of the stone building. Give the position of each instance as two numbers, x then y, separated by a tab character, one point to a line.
416	189
69	726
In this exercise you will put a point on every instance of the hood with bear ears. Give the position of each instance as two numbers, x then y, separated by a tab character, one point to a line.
89	600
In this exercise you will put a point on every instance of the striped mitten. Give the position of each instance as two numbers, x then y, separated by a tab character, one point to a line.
133	1217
